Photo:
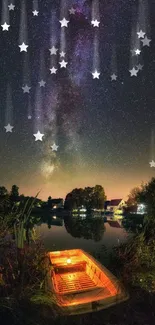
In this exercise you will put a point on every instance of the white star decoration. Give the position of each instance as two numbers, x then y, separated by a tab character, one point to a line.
35	13
133	72
54	147
63	64
113	77
5	26
137	52
53	70
8	128
42	83
26	89
23	47
72	11
139	66
38	136
96	74
140	34
64	22
95	23
146	41
53	50
152	163
11	6
62	54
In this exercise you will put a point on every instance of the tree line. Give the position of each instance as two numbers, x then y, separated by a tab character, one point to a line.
89	197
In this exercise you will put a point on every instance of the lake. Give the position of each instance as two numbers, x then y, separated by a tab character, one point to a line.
89	234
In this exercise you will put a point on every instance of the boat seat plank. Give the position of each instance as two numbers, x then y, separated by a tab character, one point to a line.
75	282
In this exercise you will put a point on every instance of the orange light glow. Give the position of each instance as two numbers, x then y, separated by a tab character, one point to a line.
75	271
68	260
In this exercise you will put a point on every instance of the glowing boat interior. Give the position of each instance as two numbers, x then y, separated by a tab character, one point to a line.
78	279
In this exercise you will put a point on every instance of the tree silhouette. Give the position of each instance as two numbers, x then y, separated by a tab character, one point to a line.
3	191
90	197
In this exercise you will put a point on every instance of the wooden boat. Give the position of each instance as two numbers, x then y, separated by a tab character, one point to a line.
80	284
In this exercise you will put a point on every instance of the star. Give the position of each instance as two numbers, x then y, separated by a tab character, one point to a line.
146	41
53	50
62	54
137	52
26	89
9	128
113	77
29	117
11	7
38	136
54	147
63	64
140	34
35	13
42	83
5	26
133	72
95	23
64	22
139	66
152	163
72	11
23	47
95	74
53	70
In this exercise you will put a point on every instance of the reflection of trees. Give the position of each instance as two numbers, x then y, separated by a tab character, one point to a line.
89	228
133	223
54	222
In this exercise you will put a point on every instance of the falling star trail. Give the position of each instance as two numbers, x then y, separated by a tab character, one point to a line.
35	5
26	70
96	15
95	10
5	13
38	121
152	145
134	43
23	30
29	110
143	16
114	61
9	107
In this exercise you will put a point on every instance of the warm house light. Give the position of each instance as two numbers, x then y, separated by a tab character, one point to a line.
68	260
54	217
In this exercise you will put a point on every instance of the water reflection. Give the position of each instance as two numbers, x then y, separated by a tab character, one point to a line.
133	223
52	221
84	226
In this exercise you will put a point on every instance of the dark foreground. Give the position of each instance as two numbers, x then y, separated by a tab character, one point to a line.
139	309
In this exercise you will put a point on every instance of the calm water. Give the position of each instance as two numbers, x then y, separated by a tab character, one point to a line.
89	235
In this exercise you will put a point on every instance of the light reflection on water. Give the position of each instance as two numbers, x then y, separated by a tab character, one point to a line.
69	235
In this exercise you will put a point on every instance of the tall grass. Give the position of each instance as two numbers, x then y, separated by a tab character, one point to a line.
22	265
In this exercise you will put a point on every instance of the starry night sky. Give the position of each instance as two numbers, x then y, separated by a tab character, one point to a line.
102	127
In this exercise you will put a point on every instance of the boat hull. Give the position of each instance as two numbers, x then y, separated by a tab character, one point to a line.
83	285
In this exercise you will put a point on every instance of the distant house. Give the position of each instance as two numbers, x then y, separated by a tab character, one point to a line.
115	206
56	203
